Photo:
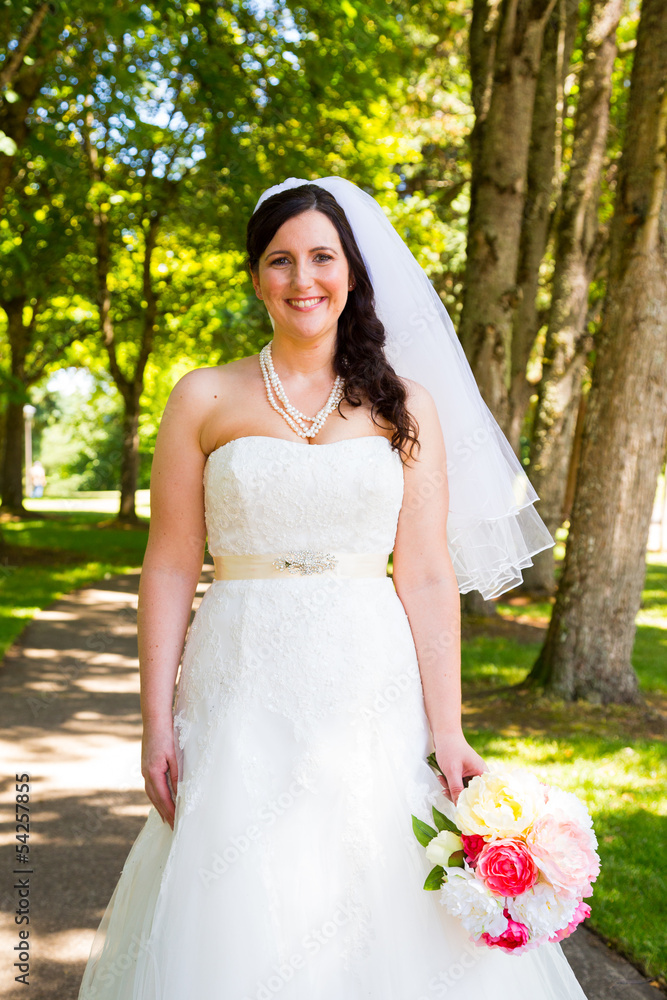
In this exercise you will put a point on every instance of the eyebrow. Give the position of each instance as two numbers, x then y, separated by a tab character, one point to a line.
312	250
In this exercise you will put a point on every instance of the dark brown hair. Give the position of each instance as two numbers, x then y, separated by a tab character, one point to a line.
359	355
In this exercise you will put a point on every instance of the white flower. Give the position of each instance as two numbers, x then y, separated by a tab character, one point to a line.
574	809
542	909
440	849
500	804
467	898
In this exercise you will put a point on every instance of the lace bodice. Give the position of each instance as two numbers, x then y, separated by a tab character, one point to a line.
266	494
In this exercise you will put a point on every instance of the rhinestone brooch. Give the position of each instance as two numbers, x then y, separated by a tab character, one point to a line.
306	562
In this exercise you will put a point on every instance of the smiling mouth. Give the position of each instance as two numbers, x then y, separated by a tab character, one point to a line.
303	304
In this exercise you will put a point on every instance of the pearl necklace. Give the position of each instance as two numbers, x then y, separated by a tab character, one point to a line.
295	418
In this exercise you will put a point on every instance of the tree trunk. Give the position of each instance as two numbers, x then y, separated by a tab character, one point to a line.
543	181
129	386
12	460
129	466
473	605
500	144
12	477
575	458
577	247
587	653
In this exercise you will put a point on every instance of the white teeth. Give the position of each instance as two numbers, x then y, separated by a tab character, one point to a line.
304	303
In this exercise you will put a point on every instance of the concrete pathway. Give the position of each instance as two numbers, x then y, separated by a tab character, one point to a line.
69	717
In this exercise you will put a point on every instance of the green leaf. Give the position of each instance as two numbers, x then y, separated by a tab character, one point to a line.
433	762
456	860
423	832
443	823
434	878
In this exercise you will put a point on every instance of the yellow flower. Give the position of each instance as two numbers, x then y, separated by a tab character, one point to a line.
500	804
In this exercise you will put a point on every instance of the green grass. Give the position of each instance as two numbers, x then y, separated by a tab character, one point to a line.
99	502
76	553
622	778
497	662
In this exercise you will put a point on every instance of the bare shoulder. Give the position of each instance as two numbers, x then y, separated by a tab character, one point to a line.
417	393
421	405
201	380
203	388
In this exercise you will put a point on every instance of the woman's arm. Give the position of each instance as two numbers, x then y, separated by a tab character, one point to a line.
169	576
427	587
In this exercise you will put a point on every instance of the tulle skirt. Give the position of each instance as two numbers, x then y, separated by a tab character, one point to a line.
292	870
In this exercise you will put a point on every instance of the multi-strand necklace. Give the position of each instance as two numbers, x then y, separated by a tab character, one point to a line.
297	420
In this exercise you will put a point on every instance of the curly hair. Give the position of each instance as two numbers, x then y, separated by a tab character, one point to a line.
359	356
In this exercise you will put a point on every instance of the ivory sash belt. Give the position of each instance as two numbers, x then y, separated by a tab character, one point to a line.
304	562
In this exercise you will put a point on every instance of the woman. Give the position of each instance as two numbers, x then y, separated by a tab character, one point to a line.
279	857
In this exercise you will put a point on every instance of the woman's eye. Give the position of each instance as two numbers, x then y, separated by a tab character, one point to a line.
321	258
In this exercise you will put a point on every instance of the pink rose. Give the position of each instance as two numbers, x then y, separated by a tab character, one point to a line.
516	936
581	912
507	867
472	846
565	853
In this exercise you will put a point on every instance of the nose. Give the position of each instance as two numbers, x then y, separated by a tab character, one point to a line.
301	276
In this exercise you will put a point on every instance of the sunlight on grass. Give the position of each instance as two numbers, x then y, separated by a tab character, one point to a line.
23	592
486	660
102	502
68	544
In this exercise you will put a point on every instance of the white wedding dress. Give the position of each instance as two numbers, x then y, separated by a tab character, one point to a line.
292	870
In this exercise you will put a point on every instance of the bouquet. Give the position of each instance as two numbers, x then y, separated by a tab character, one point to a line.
516	861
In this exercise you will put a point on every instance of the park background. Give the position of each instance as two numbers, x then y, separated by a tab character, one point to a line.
520	149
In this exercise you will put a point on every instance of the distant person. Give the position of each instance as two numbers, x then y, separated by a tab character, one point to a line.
38	478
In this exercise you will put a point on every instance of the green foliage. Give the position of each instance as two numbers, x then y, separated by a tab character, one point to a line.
435	878
442	822
422	831
81	442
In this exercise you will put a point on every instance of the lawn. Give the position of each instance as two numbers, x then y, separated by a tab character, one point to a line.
614	757
71	547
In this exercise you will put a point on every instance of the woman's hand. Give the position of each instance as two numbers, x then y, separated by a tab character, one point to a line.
457	760
159	768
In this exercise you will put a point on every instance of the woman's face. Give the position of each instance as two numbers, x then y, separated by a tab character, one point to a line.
303	276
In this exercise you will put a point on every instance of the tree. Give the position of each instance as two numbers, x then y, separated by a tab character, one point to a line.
587	652
39	294
543	180
43	58
578	242
505	51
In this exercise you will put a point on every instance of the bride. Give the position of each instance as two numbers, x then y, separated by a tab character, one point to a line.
278	858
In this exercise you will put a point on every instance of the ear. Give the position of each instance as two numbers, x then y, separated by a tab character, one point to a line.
255	284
